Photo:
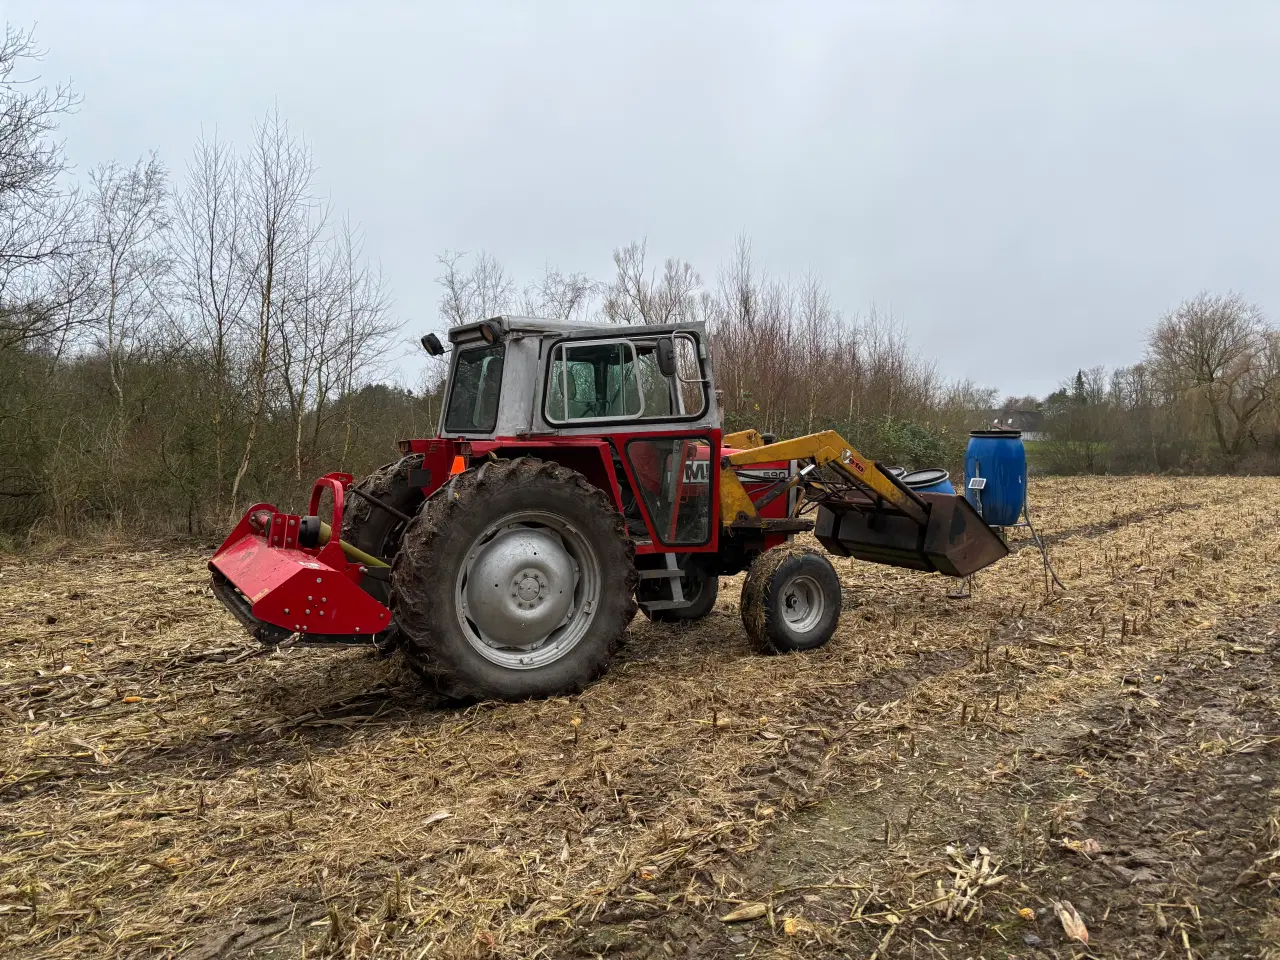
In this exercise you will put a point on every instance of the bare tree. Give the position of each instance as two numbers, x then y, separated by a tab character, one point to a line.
637	296
367	325
278	174
485	290
819	327
38	212
130	214
213	273
309	298
1219	351
559	296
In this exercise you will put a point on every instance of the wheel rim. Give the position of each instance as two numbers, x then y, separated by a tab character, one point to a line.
803	604
528	590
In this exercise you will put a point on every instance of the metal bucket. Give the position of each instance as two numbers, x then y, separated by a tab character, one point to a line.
955	541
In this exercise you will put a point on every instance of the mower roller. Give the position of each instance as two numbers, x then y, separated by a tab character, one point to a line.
579	473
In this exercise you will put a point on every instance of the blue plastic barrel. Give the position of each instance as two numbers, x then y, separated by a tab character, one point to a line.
999	457
933	480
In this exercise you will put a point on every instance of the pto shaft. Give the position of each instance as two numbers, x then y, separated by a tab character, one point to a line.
354	554
314	532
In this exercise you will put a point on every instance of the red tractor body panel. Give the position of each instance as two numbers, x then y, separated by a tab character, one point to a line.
594	458
315	591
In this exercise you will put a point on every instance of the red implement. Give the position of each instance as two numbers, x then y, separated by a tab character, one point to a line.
276	587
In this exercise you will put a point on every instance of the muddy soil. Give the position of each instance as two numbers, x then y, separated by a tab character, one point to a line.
1151	807
942	780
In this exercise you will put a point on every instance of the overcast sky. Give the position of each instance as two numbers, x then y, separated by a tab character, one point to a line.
1027	186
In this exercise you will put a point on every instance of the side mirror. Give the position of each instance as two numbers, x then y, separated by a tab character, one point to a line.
431	344
666	352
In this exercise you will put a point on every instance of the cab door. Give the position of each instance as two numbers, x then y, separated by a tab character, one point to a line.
677	487
663	430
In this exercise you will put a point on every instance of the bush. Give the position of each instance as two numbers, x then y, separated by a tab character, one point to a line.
908	443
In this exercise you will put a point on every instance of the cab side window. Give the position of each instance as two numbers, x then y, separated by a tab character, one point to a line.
594	381
620	380
477	385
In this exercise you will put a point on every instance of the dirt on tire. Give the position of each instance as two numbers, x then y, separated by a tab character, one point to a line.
435	543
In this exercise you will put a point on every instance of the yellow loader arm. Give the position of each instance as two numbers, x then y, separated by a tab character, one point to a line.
825	449
939	532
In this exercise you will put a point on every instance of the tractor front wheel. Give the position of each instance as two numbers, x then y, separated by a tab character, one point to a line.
515	580
790	600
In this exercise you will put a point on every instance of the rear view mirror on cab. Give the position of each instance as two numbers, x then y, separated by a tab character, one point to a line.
666	351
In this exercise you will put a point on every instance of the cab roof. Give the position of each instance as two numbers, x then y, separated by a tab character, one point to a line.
469	332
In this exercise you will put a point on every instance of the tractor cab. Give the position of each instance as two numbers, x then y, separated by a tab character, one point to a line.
520	377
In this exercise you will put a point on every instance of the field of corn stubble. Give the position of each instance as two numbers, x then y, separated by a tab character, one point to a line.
1007	775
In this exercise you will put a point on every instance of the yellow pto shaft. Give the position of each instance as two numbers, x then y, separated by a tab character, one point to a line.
354	554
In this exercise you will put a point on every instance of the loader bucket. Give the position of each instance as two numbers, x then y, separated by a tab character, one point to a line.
277	589
955	542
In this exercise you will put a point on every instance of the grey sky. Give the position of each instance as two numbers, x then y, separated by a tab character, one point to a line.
1026	186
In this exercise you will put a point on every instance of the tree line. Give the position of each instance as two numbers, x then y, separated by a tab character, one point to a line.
177	345
787	360
1204	399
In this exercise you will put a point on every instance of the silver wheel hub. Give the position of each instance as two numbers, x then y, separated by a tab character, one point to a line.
803	604
528	590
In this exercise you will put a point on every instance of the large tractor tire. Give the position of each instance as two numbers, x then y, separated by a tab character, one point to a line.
515	580
790	600
379	532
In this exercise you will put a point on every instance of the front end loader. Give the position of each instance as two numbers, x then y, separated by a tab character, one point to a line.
579	473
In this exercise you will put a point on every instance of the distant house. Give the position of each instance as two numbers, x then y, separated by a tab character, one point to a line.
1030	422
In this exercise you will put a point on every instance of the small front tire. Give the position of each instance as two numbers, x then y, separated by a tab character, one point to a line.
790	600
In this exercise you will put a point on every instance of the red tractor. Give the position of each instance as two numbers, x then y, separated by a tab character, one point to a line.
579	472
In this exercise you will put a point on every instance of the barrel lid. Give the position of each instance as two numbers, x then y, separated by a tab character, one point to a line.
926	477
1006	434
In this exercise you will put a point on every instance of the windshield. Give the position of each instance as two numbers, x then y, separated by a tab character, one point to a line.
477	383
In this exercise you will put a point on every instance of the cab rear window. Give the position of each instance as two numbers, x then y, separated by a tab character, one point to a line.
477	386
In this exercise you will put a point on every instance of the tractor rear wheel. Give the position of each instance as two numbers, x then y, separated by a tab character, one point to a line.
515	580
790	600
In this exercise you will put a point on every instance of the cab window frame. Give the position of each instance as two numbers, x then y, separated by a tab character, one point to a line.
496	351
642	417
